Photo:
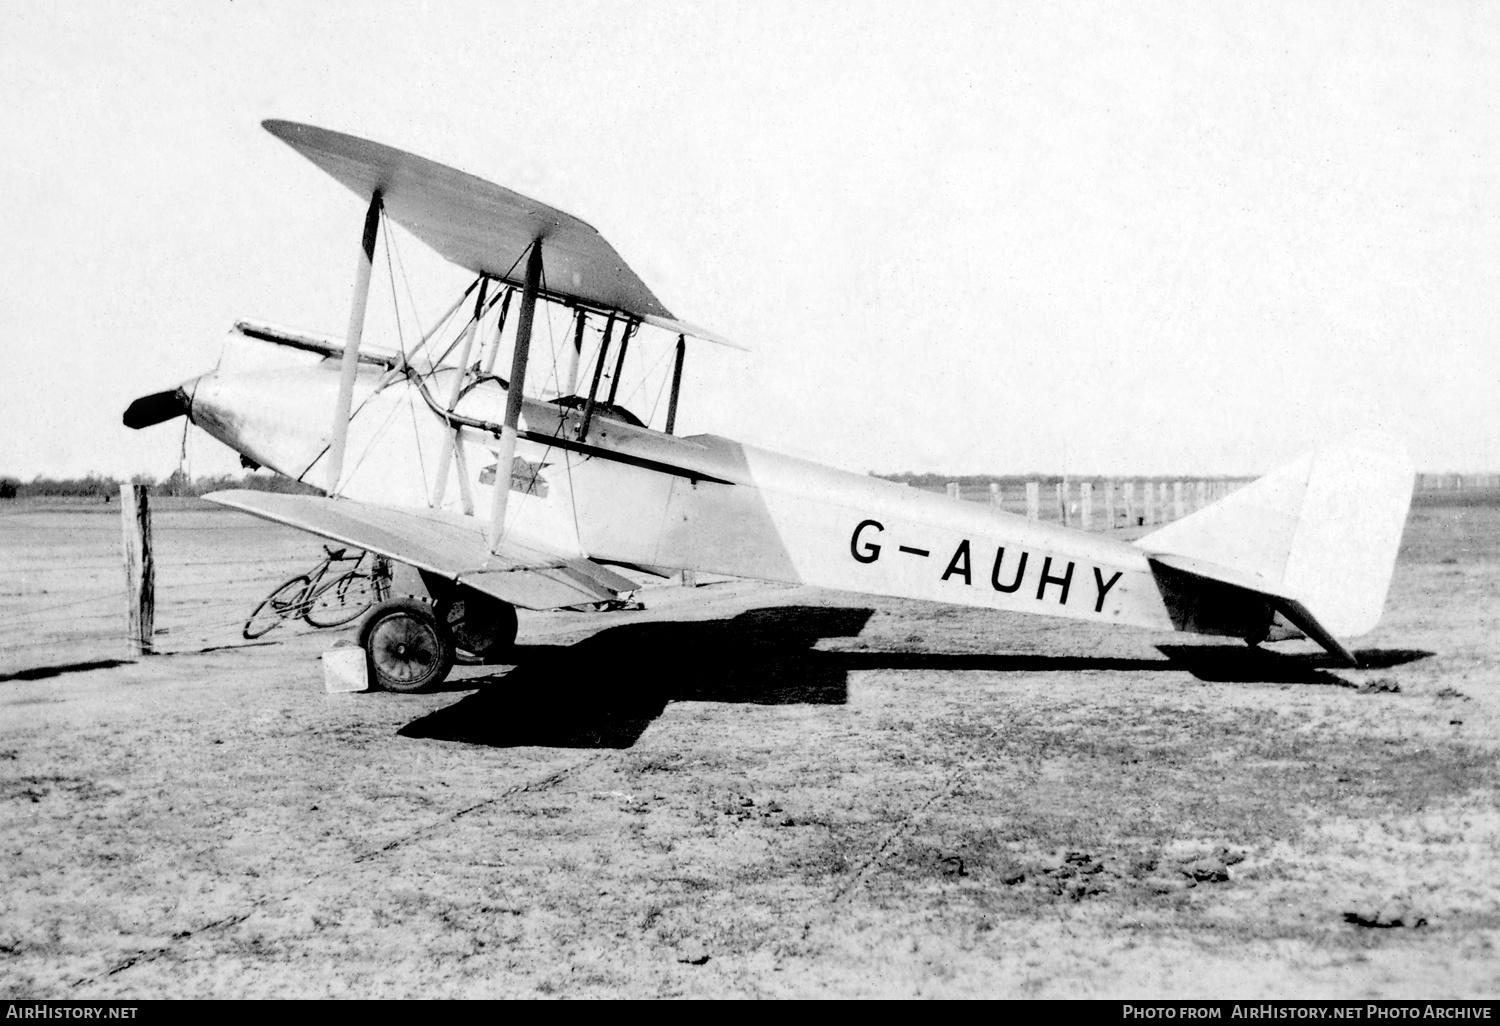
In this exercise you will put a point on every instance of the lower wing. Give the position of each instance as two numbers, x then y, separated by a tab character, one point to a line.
449	545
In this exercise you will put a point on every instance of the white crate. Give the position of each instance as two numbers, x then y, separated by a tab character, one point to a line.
344	669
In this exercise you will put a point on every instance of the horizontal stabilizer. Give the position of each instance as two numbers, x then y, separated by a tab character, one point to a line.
1209	599
446	544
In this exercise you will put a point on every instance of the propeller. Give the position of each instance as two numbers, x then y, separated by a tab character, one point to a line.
157	408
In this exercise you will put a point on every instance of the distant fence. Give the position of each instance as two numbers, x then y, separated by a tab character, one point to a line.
1106	504
1099	504
71	596
1456	482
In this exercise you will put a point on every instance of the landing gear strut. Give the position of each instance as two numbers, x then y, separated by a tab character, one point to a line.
483	628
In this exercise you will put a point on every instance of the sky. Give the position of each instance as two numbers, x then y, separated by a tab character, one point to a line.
963	238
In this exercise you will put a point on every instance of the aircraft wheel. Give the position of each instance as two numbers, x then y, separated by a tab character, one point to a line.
408	647
482	627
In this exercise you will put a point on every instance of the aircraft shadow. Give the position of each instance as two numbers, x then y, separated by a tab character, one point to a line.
604	691
1240	664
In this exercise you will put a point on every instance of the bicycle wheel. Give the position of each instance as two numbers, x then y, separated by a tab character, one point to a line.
341	600
285	601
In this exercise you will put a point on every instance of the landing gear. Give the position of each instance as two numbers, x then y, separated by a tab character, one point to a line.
483	628
408	647
1260	635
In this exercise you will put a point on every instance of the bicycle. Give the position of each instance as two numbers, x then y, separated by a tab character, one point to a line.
324	603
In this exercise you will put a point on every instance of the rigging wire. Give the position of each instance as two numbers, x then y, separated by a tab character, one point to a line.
646	377
552	343
411	300
588	356
460	336
416	432
656	403
385	239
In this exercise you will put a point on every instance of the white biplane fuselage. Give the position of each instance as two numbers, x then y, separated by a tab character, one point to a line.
701	502
518	501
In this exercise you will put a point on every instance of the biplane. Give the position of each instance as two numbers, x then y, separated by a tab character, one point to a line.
496	498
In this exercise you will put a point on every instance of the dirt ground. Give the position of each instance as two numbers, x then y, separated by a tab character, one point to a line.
741	791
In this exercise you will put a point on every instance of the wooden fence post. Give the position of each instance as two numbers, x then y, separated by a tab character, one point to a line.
1086	505
953	490
140	567
1109	506
995	494
1033	499
1062	502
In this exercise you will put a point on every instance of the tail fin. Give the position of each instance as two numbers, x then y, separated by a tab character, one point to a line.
1317	538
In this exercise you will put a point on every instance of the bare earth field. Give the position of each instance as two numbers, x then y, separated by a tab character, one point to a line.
740	791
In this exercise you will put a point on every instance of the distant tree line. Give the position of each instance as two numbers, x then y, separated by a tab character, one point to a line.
176	483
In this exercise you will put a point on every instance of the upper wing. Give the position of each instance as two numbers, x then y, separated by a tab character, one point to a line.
441	543
485	227
475	223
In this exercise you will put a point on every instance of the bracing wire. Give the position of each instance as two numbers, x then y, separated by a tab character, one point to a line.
656	403
411	300
551	340
379	433
647	376
411	404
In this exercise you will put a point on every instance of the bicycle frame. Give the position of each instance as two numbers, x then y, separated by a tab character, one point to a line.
311	586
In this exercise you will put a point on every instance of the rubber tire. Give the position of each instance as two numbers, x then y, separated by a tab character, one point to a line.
275	605
476	645
343	612
406	647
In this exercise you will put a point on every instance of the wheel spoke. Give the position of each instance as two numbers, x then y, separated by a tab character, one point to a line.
404	648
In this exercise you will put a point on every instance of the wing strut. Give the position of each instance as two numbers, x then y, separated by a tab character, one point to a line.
513	395
350	365
676	384
588	407
575	354
614	383
489	361
451	447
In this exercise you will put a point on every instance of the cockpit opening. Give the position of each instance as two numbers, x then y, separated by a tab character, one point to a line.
601	409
